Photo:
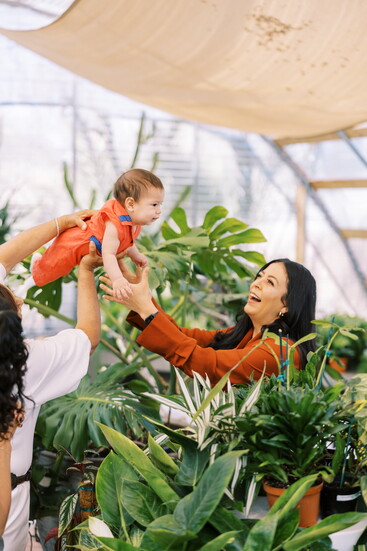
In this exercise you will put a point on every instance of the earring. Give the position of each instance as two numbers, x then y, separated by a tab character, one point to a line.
281	314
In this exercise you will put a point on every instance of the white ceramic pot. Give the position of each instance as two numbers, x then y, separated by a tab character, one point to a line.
346	539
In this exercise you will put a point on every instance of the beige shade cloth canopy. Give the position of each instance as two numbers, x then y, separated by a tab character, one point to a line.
283	68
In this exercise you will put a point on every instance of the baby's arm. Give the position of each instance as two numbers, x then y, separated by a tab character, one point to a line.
139	259
110	245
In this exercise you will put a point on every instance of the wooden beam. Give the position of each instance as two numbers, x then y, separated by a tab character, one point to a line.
354	234
350	132
337	184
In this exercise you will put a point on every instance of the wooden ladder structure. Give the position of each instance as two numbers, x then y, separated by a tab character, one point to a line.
310	187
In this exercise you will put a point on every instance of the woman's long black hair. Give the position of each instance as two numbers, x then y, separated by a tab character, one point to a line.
296	322
13	357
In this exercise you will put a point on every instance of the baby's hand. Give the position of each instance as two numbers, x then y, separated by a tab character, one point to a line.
121	288
140	260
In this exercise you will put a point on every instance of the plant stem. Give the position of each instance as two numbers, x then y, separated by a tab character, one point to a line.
47	311
323	364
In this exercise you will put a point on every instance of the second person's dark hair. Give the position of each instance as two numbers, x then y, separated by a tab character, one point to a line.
13	358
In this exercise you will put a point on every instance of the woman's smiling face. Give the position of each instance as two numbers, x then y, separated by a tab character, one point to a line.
267	296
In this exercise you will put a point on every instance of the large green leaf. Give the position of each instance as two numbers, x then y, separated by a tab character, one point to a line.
67	509
324	528
161	458
113	544
213	215
46	299
363	482
192	466
261	535
287	527
142	502
218	543
251	256
194	510
196	238
292	496
166	533
170	260
178	215
231	225
224	520
248	236
168	232
141	463
175	435
69	421
110	477
237	267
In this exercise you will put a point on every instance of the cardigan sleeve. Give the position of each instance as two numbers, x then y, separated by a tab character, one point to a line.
201	336
181	348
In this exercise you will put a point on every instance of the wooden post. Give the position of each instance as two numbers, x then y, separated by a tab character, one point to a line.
301	200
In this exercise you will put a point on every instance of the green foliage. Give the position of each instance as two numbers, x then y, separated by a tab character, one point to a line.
350	343
6	222
168	516
69	421
287	433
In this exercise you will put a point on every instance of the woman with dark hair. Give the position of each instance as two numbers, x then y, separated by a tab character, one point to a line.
282	296
35	371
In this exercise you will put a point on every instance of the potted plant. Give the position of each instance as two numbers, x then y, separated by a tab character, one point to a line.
287	433
348	451
147	504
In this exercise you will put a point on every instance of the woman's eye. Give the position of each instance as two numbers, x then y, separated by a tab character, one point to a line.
271	282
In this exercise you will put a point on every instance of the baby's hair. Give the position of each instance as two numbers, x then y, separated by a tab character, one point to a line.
13	358
134	183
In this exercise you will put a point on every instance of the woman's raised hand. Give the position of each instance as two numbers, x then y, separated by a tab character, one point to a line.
140	299
91	260
75	219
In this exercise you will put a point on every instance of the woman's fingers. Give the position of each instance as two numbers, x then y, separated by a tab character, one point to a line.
81	215
92	260
105	285
112	298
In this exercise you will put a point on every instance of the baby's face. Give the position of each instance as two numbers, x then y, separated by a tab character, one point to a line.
148	208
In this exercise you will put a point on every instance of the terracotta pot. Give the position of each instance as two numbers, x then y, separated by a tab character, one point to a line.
309	506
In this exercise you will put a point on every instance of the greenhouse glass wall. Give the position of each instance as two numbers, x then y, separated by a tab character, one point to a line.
52	121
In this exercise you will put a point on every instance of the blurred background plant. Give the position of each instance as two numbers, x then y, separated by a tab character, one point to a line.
348	352
6	221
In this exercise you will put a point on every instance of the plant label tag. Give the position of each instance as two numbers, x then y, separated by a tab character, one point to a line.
348	498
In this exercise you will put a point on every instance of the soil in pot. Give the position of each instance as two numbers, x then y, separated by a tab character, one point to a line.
309	506
338	500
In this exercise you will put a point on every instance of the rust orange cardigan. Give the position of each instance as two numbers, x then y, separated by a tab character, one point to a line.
186	349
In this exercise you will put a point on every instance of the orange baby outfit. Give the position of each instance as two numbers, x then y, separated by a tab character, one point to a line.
68	249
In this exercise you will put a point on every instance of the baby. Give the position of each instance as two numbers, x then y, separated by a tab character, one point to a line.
138	200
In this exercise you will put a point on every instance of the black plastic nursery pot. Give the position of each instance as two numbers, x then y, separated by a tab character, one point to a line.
338	500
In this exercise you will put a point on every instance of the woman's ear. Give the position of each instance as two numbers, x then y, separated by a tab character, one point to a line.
129	204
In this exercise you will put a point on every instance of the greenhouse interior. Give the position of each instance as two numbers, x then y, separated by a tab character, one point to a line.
228	354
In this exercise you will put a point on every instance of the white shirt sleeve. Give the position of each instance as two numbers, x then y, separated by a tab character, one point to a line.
2	274
56	364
